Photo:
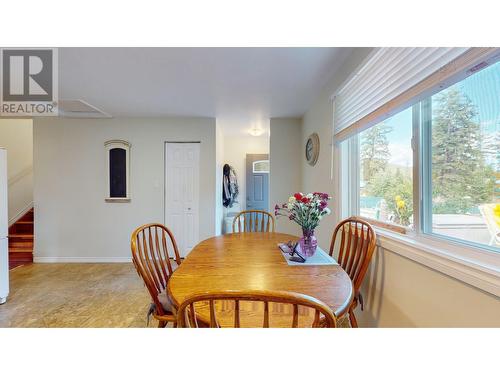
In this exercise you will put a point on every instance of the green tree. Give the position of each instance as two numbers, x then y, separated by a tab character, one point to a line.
461	178
396	187
374	150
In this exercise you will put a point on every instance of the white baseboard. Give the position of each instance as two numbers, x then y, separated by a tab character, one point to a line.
21	213
82	259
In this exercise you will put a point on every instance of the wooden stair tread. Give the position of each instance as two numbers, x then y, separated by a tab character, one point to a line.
20	241
21	245
21	235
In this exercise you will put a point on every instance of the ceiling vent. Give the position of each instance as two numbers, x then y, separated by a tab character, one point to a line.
80	109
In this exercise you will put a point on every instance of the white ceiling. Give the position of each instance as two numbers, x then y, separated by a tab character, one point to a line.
241	87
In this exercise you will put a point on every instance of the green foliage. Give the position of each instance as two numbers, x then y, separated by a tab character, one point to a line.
374	150
393	185
460	177
396	187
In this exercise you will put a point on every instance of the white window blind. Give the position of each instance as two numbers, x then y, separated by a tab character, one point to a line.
386	74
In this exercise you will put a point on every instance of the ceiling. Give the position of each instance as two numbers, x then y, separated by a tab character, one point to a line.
241	87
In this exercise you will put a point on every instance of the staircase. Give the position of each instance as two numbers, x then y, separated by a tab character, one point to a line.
21	238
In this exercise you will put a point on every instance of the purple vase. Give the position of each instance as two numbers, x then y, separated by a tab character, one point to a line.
308	243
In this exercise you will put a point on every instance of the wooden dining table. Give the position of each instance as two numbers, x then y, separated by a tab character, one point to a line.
253	261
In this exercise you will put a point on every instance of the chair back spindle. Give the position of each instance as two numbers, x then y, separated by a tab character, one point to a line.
323	316
155	257
357	245
253	221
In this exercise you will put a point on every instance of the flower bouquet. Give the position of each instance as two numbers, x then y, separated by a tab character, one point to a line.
306	210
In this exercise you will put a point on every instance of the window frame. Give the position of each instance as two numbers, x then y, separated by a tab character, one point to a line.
108	146
421	143
352	150
425	170
468	262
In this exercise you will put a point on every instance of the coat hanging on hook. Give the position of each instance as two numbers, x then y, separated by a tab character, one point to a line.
229	186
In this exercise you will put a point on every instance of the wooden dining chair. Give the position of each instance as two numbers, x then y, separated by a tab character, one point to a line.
186	316
253	221
356	248
155	257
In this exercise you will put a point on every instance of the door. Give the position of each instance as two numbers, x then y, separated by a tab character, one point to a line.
257	182
182	173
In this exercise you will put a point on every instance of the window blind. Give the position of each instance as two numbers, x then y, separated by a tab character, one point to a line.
387	74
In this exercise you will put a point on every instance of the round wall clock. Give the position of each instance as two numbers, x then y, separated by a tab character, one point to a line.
312	149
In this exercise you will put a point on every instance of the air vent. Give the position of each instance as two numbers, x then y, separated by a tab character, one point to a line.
80	109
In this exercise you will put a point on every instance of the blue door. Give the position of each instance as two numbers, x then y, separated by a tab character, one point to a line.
257	182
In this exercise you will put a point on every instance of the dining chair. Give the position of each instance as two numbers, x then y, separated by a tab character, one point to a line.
357	244
155	257
253	221
186	316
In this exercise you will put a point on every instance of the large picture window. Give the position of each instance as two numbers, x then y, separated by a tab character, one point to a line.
452	190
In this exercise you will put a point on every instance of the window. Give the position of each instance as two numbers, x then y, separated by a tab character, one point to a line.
385	171
452	190
117	161
260	166
461	128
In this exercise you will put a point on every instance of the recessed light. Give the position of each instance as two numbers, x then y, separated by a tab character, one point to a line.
256	132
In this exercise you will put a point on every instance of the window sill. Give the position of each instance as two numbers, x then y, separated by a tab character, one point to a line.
476	267
117	200
383	225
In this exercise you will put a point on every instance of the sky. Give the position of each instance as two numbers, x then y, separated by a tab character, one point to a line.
483	88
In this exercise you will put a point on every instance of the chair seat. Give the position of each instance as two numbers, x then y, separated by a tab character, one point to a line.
343	321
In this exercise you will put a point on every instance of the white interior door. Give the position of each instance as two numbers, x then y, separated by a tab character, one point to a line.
182	193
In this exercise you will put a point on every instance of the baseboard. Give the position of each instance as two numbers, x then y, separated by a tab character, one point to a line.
82	260
21	213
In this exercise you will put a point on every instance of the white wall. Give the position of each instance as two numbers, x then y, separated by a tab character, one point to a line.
398	291
219	164
236	147
72	220
16	136
402	293
319	119
285	158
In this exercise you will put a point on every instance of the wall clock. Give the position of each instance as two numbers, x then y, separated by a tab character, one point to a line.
312	149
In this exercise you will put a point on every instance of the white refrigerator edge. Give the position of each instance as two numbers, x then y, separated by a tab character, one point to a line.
4	229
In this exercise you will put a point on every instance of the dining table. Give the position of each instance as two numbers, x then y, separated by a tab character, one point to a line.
253	261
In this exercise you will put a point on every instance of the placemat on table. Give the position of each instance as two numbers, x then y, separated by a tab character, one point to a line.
320	258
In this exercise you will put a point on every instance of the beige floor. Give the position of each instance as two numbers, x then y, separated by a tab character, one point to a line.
75	295
78	295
